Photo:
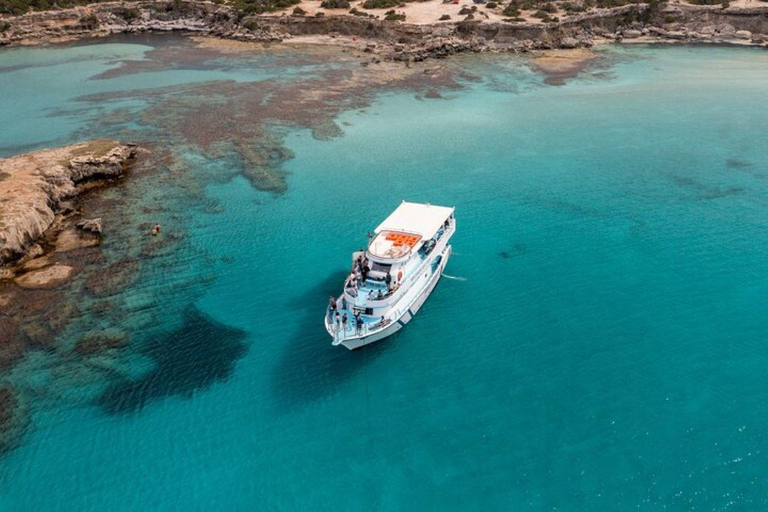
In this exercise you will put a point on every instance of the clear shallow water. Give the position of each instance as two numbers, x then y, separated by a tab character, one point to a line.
607	350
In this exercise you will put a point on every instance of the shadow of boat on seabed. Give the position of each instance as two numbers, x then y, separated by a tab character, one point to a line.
310	368
189	359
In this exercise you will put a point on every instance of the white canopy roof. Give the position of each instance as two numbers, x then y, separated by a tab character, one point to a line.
421	219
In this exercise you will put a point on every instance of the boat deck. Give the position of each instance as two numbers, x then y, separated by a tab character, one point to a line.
351	329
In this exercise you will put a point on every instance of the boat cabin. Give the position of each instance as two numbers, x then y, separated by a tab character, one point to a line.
410	227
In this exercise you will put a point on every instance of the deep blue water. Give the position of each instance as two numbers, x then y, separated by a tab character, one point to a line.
607	350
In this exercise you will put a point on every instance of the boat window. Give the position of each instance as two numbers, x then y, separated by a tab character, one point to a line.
380	267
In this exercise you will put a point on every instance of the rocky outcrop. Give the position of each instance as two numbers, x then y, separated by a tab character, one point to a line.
36	187
667	22
699	24
133	17
47	277
92	226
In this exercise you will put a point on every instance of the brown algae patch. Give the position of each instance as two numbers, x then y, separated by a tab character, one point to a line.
561	65
245	122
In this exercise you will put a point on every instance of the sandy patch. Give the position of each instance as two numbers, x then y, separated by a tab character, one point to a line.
560	65
416	13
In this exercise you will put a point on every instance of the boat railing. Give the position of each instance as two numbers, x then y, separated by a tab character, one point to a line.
406	283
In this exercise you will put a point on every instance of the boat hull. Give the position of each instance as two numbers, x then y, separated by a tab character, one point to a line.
357	342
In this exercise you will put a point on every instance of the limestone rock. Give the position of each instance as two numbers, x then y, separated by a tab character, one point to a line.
90	225
71	239
48	277
36	263
39	183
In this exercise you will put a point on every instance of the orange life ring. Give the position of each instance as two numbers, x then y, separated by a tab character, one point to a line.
400	275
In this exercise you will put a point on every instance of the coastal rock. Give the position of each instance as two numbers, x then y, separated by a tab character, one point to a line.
100	166
14	418
36	263
5	299
48	277
71	239
631	34
37	184
90	225
411	40
743	34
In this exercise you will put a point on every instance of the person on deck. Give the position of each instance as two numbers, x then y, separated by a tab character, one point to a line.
358	323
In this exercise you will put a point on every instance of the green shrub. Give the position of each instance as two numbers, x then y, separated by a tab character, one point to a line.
669	19
491	5
394	16
444	17
4	26
548	7
298	11
511	10
335	4
615	3
571	7
246	7
380	4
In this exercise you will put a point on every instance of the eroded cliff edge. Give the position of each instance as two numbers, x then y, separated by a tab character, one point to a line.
653	21
37	189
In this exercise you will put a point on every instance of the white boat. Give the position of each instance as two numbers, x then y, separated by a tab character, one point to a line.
393	277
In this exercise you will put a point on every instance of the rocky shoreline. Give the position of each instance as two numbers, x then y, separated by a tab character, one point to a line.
38	192
399	41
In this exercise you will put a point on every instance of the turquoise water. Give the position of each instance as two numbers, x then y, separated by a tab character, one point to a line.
606	351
